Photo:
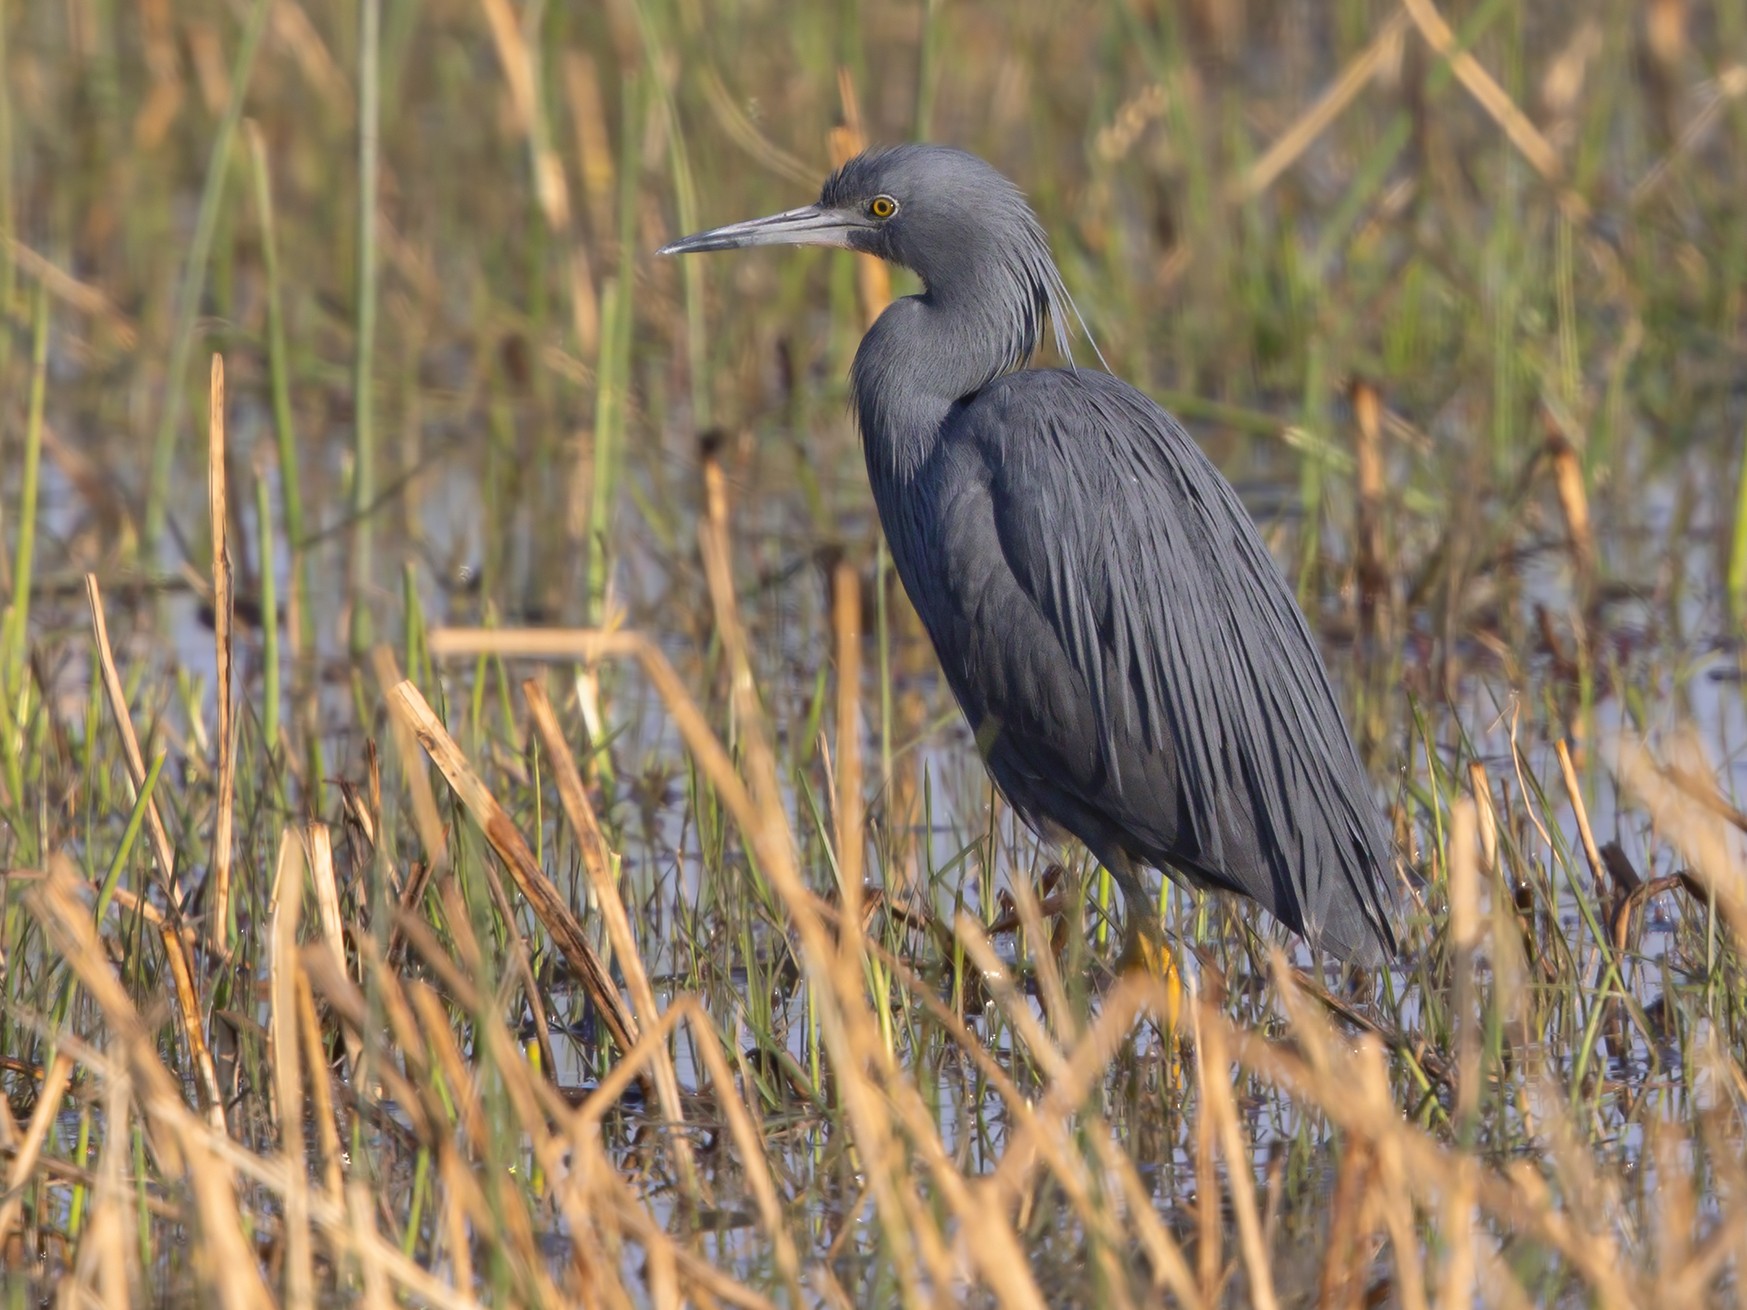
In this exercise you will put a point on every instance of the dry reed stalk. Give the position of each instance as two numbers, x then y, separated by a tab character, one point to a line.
315	1058
596	162
1676	1209
194	1028
1729	85
520	62
851	820
426	819
463	1087
223	607
1592	1195
222	1255
1043	1130
1209	1227
513	1231
1480	785
1340	1285
1591	853
36	1132
1459	1285
597	861
850	1034
452	1169
536	1096
748	1142
1382	54
362	1212
60	866
547	903
558	645
1369	566
1463	879
521	971
1574	505
183	1143
318	842
999	985
726	113
285	914
173	1120
1352	1091
106	1266
63	286
136	764
1049	977
318	851
1498	105
380	1079
1691	825
1499	1288
427	822
1161	1248
1395	1200
685	1270
594	1191
1213	1066
1035	1130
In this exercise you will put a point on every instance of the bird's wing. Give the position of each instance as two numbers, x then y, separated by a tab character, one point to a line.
1143	564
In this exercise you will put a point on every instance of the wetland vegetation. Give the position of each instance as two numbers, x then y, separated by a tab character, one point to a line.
479	823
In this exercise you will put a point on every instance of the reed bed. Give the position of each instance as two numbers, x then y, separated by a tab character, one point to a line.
477	821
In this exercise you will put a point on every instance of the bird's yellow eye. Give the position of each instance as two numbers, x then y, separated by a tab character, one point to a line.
882	207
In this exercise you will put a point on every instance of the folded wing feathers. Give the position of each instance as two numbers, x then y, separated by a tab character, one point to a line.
1170	594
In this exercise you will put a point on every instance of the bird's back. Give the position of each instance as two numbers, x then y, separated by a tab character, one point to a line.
1130	658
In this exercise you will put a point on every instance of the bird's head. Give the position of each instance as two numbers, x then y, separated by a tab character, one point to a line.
944	214
929	208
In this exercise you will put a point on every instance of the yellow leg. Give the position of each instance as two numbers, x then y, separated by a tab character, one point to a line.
1145	951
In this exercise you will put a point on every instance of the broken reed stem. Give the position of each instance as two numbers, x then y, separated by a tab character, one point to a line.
282	986
1480	784
223	603
1383	51
318	853
548	904
597	860
1369	566
1218	1104
194	1028
1574	505
29	1148
1410	1161
845	1021
847	1025
1591	853
1463	877
136	764
315	1056
426	818
1523	134
1688	818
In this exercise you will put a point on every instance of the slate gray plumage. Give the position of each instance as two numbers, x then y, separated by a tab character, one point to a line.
1135	668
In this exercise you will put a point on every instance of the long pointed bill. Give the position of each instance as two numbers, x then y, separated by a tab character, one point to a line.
811	226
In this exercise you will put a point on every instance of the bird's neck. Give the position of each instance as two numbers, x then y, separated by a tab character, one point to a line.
921	357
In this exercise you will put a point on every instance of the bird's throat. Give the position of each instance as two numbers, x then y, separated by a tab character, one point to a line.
918	360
